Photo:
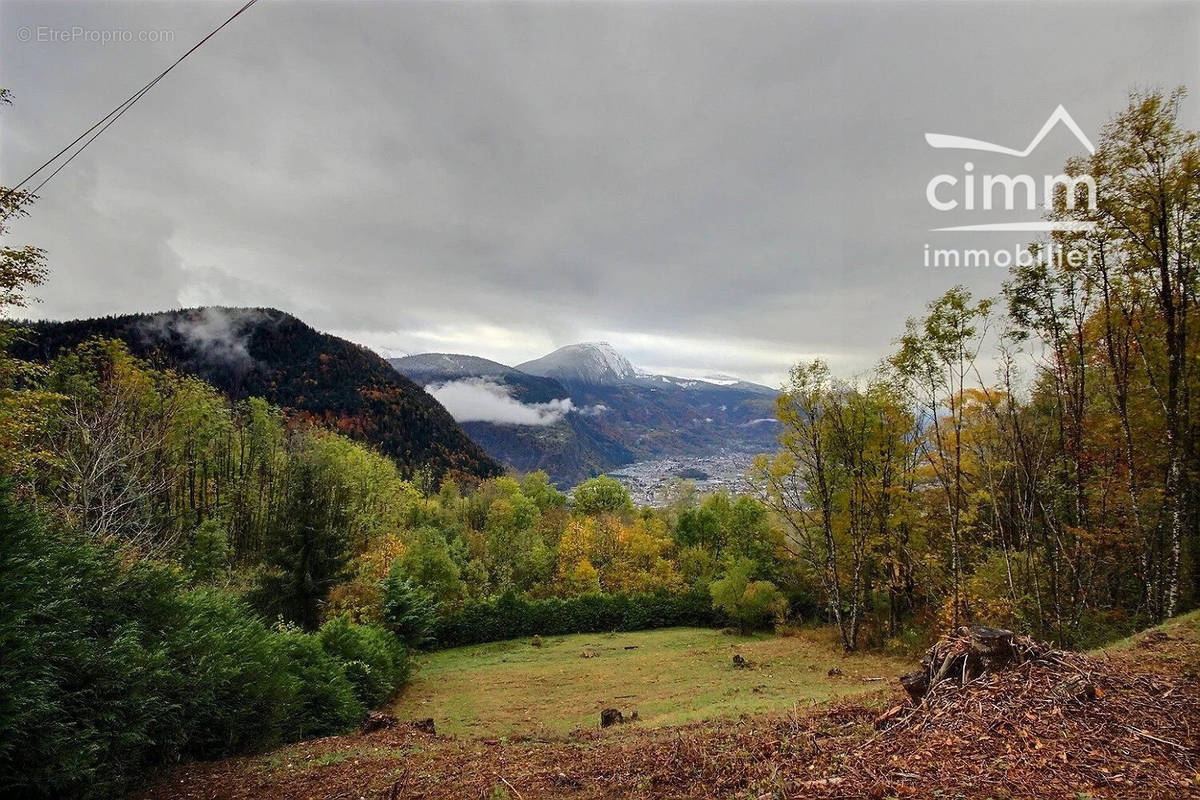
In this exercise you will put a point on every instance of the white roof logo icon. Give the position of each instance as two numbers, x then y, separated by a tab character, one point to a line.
944	141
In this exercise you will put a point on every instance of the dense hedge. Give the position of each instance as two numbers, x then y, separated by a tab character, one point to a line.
512	616
372	659
109	670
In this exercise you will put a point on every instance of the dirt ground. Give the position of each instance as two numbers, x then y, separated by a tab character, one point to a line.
1025	733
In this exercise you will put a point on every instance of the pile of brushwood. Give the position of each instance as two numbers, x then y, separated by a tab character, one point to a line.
989	708
969	653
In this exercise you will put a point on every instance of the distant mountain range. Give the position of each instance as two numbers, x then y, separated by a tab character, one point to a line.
585	409
262	352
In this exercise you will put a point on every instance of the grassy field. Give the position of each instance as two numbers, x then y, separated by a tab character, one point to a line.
668	676
1185	627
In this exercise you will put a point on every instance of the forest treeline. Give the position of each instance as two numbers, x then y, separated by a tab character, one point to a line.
190	573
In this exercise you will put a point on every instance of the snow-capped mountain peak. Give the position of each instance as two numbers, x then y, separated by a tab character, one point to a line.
588	362
613	361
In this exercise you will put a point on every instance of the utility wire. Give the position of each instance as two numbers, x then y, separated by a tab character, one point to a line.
108	119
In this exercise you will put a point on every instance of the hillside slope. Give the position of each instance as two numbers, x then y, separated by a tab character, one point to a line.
569	451
432	368
1033	732
267	353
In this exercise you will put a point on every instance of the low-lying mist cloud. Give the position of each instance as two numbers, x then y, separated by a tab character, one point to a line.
217	334
477	400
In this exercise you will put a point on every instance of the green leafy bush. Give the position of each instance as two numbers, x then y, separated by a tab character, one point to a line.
748	603
87	700
108	670
326	703
408	611
374	661
237	692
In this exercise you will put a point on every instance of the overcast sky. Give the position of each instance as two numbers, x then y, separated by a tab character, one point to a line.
723	187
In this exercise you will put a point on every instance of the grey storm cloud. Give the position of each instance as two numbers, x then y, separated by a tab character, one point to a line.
713	187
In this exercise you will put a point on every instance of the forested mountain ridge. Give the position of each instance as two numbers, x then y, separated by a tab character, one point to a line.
264	352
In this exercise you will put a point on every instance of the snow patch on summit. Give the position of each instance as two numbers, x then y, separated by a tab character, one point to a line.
613	361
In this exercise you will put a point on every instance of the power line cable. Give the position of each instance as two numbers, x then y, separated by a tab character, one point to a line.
108	119
128	105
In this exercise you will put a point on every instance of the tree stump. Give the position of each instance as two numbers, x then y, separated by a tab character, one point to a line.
916	684
610	717
987	641
992	649
967	653
377	721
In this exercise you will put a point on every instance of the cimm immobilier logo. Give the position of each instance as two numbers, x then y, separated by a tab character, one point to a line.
987	195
